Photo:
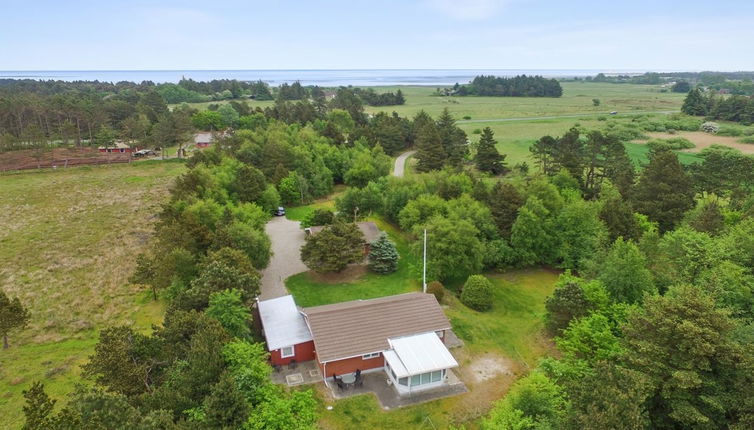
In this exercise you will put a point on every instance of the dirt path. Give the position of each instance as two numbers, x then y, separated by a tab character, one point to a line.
287	238
704	140
400	164
575	115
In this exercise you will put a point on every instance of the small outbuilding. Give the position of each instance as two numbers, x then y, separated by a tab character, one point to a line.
118	146
288	337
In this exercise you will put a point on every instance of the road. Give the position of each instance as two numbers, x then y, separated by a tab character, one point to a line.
577	115
287	239
400	164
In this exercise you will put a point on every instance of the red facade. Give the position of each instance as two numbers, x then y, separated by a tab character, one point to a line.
350	365
301	352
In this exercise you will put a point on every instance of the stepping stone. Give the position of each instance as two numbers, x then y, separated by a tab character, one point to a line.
294	379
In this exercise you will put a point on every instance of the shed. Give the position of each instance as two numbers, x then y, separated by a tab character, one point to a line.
288	337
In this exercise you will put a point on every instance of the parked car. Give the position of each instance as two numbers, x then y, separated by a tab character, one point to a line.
280	211
615	112
144	153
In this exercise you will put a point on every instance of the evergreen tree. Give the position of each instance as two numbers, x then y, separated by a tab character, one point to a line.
624	273
228	308
504	202
531	235
38	409
664	192
453	139
618	216
383	257
695	103
430	151
333	248
487	158
226	407
708	219
13	315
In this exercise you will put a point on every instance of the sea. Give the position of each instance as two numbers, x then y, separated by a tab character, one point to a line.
323	78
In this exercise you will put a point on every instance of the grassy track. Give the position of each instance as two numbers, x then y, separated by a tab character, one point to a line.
68	239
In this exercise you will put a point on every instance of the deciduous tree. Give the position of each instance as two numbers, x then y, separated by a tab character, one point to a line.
13	315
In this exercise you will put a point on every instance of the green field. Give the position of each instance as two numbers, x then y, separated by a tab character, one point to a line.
68	242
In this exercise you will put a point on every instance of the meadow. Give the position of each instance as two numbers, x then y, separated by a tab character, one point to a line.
68	241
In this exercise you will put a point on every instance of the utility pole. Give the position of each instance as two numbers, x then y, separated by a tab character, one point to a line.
424	270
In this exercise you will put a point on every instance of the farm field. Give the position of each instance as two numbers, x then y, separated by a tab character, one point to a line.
68	240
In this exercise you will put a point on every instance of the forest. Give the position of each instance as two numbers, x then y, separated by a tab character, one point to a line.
517	86
735	108
651	317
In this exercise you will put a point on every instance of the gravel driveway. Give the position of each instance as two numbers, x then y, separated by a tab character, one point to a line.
400	163
287	238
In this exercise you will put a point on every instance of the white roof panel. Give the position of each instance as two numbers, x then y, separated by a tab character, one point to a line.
421	353
283	324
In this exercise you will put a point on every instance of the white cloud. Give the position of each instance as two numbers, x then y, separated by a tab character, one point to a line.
467	9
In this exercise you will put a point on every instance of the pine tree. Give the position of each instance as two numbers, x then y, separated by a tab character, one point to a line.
383	257
430	151
38	409
664	192
453	138
333	248
504	202
695	103
487	158
12	315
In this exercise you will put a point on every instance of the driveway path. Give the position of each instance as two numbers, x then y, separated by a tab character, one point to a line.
287	239
576	115
400	164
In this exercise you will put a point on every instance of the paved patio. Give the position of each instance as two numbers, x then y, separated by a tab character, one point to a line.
376	382
304	373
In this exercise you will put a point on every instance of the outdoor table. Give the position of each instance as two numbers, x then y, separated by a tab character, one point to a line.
348	379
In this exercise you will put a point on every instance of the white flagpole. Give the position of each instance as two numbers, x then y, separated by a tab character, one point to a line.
424	271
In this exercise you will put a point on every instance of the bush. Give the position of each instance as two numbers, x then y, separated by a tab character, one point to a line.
727	130
747	139
477	293
319	217
467	117
674	143
435	288
477	131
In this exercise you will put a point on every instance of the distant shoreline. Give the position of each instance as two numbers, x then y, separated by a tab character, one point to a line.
321	77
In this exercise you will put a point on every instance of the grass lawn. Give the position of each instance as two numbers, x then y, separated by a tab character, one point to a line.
512	331
68	241
577	99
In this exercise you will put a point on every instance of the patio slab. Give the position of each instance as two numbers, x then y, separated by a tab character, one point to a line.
389	398
303	373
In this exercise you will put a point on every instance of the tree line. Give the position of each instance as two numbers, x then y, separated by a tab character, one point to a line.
517	86
729	108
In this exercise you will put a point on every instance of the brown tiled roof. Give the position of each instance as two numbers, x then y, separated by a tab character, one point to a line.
361	327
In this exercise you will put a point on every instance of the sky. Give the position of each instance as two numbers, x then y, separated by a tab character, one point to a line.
659	35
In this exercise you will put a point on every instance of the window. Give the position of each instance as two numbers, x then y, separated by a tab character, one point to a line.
416	380
368	356
426	378
403	381
287	351
436	376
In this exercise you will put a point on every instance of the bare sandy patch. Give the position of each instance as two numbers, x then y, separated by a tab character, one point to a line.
489	366
705	140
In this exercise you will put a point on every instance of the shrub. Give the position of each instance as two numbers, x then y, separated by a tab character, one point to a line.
477	131
435	288
747	139
710	127
477	293
383	257
675	143
467	117
727	130
319	217
602	118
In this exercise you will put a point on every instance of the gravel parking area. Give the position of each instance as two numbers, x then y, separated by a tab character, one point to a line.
287	239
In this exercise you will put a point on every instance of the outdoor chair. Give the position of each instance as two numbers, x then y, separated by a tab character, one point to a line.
359	382
292	365
341	385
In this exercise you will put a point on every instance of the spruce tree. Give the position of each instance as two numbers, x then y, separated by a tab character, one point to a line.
504	202
430	151
453	138
383	257
487	158
664	192
695	103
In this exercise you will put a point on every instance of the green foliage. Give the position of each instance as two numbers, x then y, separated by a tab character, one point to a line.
504	202
436	289
674	143
383	257
13	315
624	273
208	120
531	236
228	308
225	407
580	233
592	339
487	158
38	408
664	192
333	248
534	402
477	293
318	217
453	248
569	301
681	343
252	241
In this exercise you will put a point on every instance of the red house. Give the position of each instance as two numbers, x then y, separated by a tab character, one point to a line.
118	147
402	336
